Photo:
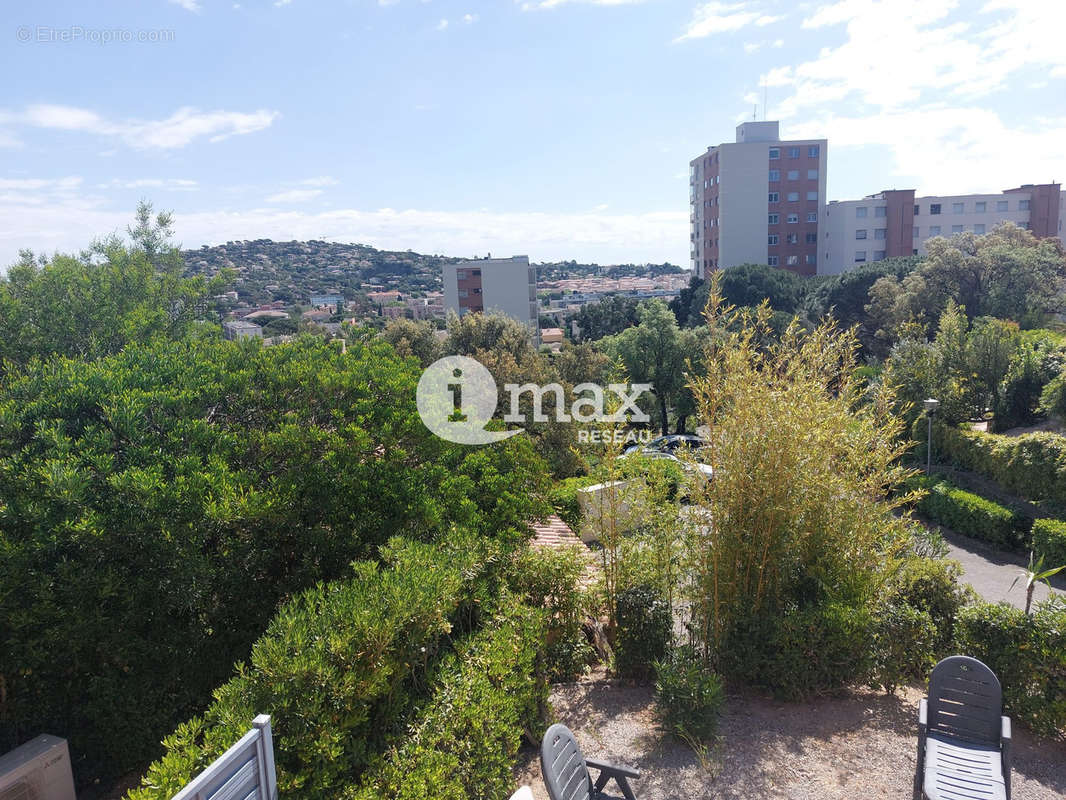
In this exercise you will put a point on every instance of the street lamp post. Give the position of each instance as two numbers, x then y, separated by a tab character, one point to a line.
931	406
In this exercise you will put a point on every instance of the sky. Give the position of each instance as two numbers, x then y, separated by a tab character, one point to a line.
555	128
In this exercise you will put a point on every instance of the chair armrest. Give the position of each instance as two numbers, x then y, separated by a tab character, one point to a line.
612	769
923	714
1004	734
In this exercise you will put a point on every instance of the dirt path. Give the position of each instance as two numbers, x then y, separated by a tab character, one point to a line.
860	744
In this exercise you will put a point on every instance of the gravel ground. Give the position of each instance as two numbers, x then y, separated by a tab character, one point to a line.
859	744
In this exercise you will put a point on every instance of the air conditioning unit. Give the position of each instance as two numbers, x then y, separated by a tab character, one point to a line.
38	770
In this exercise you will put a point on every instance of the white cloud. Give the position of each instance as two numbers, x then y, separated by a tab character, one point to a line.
188	5
916	77
470	19
321	180
442	25
294	196
175	184
536	5
717	17
178	130
595	236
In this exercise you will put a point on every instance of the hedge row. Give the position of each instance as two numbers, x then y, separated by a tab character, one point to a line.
463	745
339	670
1032	466
1049	541
1028	655
970	514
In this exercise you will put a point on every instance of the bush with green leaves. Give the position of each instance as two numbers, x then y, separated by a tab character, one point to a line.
904	644
931	586
1032	466
1049	541
688	696
463	743
970	514
803	651
1028	655
339	670
551	578
563	497
157	505
643	631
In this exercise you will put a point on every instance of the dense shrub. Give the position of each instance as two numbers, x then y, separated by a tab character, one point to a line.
563	497
1049	541
338	669
689	697
930	585
1028	655
158	504
462	746
1032	466
643	632
904	644
551	578
970	514
806	650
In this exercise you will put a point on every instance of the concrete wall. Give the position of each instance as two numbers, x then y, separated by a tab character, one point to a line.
742	208
508	286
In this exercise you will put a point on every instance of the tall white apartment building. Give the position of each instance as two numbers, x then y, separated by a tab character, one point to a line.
896	223
504	285
759	200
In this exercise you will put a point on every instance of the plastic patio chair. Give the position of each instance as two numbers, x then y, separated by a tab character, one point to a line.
566	770
963	740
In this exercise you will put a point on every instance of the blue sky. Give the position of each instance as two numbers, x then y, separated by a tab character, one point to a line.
557	128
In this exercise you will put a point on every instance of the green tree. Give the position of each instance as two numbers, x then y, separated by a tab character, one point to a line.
97	303
607	317
652	353
413	338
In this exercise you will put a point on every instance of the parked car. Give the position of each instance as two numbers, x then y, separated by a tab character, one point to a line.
669	444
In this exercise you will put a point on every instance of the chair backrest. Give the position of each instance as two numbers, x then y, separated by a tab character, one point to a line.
563	765
965	701
244	772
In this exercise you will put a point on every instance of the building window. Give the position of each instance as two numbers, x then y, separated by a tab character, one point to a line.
460	274
934	208
793	197
917	232
793	152
792	238
462	293
1023	205
812	195
980	207
879	255
812	174
772	239
793	174
812	238
793	218
879	233
917	209
979	229
860	234
812	216
881	211
775	153
812	151
1001	205
773	197
810	258
956	229
775	175
793	260
860	256
958	208
771	261
934	230
860	212
773	219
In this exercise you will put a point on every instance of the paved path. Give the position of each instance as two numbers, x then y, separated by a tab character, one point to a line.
992	572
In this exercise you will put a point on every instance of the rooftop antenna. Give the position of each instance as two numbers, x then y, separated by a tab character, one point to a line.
754	111
765	101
